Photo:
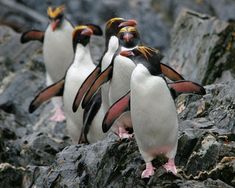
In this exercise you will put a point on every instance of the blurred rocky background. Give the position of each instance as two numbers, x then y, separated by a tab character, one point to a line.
197	38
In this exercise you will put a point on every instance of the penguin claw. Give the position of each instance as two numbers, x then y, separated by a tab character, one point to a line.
58	115
170	166
148	172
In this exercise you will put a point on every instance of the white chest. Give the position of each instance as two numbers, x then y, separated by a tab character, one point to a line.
120	83
153	111
58	51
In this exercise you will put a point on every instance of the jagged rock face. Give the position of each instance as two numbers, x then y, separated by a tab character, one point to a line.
222	9
206	151
37	152
202	48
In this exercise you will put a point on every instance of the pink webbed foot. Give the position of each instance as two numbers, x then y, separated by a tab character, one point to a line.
170	166
149	171
122	133
58	115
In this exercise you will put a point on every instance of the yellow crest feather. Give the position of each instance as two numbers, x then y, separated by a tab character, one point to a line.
146	51
54	12
128	29
79	27
109	22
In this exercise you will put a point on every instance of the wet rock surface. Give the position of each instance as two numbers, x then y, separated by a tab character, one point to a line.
37	152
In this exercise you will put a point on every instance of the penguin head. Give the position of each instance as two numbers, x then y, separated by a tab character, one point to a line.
56	15
149	57
82	34
114	25
129	37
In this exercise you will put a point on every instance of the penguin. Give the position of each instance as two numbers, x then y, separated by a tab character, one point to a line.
119	70
58	51
81	67
79	70
153	115
153	111
95	113
119	84
118	75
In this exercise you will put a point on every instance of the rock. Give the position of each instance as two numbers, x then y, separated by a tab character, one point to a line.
39	149
11	176
214	111
222	9
211	48
13	51
205	151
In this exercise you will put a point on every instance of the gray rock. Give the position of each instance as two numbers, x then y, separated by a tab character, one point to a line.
202	47
205	151
39	149
11	176
214	111
222	9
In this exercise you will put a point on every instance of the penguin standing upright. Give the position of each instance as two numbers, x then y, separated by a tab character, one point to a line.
94	116
57	51
118	73
79	70
153	111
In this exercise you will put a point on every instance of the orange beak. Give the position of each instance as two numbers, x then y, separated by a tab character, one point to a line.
130	22
87	32
54	24
126	53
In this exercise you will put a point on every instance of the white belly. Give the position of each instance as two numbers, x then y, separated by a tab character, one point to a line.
153	113
58	51
120	83
75	76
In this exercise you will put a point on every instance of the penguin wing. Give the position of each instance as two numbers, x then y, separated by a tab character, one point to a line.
185	86
115	111
90	112
170	72
104	77
32	35
85	87
56	89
